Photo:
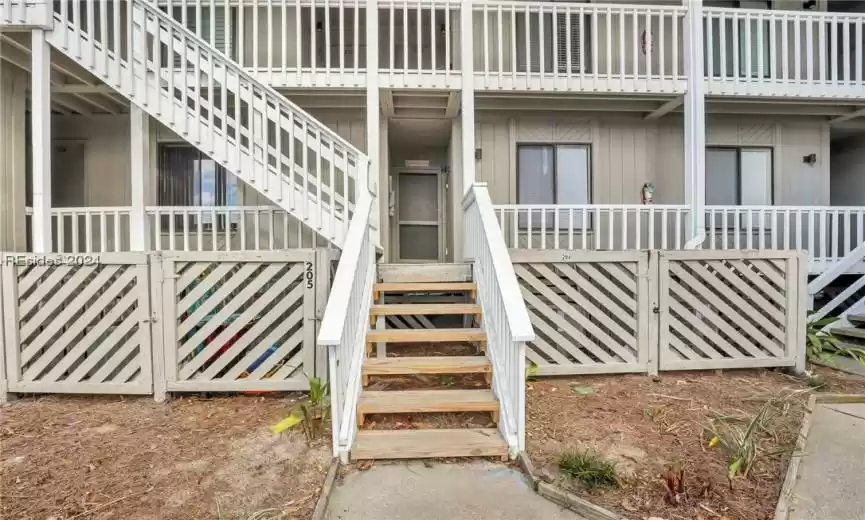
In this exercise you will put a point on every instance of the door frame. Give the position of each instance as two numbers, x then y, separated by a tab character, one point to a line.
393	211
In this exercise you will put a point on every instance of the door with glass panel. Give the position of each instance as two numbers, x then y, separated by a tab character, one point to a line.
418	215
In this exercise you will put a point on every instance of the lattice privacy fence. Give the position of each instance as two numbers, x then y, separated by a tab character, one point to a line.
588	310
238	321
79	326
731	309
608	312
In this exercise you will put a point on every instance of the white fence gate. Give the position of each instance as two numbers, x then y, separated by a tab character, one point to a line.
77	324
645	311
731	309
236	321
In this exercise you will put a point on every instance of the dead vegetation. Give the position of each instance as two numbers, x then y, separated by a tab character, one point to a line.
191	458
694	445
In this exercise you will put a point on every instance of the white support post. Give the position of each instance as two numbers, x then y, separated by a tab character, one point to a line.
373	108
695	123
468	94
40	89
139	153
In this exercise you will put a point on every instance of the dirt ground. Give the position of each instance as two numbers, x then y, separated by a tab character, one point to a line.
131	458
647	426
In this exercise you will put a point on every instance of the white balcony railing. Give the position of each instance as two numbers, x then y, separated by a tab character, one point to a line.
784	53
577	46
610	227
180	228
24	13
828	233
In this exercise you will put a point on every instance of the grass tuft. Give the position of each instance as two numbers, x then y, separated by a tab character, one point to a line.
589	468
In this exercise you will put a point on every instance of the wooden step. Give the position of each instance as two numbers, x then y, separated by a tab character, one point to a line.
418	444
425	272
852	332
425	309
381	287
426	365
423	336
856	319
420	401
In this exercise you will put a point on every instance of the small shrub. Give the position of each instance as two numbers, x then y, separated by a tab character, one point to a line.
589	468
311	413
741	444
822	346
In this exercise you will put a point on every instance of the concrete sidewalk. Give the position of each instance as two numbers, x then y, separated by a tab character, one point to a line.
831	476
415	491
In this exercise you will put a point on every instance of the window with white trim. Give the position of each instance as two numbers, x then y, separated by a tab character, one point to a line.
739	176
553	174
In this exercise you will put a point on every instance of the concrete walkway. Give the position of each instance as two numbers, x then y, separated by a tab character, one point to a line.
415	491
831	478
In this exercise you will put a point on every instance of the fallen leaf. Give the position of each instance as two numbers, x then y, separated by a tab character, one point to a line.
628	506
582	390
365	465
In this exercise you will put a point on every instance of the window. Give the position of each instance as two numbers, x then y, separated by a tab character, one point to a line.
553	174
739	176
531	57
189	178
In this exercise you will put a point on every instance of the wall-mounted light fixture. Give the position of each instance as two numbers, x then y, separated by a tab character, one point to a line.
809	5
442	28
810	159
318	27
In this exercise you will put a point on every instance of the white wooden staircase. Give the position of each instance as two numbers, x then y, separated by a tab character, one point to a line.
441	291
206	98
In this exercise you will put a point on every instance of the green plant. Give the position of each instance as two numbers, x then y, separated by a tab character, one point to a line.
446	380
742	445
531	371
589	468
311	413
822	346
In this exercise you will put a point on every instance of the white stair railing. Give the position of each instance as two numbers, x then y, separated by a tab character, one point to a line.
821	282
345	324
209	100
506	320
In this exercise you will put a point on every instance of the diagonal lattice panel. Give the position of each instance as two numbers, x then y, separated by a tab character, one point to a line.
78	326
239	321
720	310
584	307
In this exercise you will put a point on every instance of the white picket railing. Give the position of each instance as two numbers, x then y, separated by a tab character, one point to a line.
345	324
22	13
245	125
589	47
618	227
226	228
843	266
96	229
828	233
506	320
784	53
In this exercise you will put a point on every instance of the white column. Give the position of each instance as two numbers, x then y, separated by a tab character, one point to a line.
139	153
695	122
373	108
40	89
468	93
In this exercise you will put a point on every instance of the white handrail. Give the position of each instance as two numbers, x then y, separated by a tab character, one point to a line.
506	319
344	325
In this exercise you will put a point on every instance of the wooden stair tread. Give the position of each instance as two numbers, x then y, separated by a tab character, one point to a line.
417	444
427	365
856	318
852	332
424	335
423	286
401	309
407	401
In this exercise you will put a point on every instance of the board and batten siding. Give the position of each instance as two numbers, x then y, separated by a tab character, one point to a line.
13	102
629	151
848	172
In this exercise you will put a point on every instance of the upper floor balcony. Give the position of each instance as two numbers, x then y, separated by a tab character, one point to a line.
536	46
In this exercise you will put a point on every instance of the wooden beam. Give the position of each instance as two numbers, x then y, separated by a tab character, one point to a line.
71	88
72	104
665	109
453	105
40	128
387	106
846	117
105	107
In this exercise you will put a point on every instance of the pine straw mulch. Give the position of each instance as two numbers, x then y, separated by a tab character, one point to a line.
123	458
647	426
